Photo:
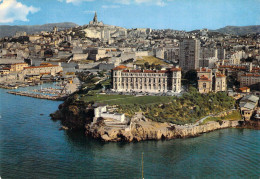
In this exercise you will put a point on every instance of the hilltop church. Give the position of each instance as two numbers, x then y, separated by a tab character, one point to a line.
95	21
106	33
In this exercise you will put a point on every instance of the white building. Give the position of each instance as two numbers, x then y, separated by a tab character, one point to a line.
101	111
151	81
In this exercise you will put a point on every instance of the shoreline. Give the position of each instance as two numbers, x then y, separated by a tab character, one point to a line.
148	130
143	133
75	115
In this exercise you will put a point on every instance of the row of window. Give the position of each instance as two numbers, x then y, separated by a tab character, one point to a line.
142	87
144	80
143	74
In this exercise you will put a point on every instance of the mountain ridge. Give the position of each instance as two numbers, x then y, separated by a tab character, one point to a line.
239	30
10	30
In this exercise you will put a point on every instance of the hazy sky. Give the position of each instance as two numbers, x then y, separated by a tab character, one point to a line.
157	14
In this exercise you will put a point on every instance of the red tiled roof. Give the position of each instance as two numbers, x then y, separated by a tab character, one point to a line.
244	88
204	78
45	64
203	70
5	68
219	75
233	67
175	69
250	74
41	66
121	67
19	64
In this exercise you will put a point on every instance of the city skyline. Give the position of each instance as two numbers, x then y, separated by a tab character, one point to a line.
156	14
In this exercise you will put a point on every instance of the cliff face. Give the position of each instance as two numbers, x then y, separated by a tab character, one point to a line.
73	115
147	130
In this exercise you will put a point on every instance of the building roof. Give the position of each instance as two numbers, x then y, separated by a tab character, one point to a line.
232	66
251	75
153	71
41	66
203	70
220	75
247	105
45	64
121	67
251	98
19	64
244	88
204	78
175	69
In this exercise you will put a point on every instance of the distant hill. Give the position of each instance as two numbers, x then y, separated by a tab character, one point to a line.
7	30
239	30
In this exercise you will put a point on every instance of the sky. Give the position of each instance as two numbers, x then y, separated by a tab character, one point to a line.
157	14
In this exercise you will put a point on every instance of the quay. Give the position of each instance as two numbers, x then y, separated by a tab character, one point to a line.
8	87
39	96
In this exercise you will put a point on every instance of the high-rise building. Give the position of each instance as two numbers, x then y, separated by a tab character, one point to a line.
189	54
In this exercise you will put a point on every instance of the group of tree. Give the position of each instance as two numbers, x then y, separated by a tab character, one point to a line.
153	66
181	110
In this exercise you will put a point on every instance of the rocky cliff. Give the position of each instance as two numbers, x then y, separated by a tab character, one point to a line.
148	130
73	115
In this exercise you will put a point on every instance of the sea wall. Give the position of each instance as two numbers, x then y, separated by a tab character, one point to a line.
199	129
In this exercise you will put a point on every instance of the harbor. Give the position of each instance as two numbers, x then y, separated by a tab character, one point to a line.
57	91
19	84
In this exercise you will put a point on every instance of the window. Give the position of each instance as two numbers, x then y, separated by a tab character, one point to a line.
204	85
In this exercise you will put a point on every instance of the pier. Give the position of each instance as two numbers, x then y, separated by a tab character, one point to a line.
39	96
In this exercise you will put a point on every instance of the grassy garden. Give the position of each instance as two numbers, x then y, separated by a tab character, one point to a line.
188	108
126	99
182	110
235	115
149	59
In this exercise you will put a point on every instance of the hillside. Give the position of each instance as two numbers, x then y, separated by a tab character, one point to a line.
239	30
7	30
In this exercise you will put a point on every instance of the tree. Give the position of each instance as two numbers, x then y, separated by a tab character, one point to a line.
146	65
191	77
152	66
158	67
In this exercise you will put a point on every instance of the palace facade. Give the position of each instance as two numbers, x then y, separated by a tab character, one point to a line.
151	81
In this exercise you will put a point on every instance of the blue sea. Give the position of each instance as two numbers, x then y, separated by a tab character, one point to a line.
32	146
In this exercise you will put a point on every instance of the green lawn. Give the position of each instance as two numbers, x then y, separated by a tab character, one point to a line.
235	115
150	60
126	99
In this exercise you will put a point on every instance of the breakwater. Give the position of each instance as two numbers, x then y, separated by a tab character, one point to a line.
39	96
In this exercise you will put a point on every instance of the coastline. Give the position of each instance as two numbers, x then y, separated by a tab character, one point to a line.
148	130
75	116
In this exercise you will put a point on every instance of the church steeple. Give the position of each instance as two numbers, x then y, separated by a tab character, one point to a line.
95	20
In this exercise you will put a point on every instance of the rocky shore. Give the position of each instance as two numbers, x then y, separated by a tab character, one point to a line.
148	130
74	116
